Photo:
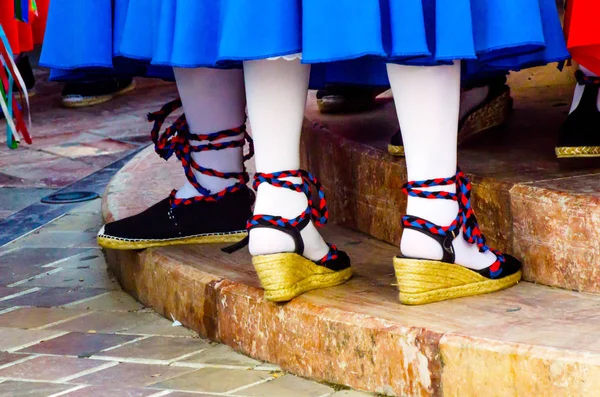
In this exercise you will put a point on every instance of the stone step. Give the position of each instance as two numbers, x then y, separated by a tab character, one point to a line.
527	205
528	340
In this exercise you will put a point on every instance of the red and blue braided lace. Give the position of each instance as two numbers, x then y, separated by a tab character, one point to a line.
465	219
177	140
317	212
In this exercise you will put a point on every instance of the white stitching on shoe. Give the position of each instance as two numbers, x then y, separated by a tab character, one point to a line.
173	239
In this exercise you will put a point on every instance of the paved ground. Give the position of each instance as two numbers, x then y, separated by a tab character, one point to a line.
66	328
72	144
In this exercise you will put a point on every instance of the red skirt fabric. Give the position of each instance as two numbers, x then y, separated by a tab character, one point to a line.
583	32
23	36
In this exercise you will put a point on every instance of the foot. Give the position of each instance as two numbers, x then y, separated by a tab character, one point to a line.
347	98
481	108
87	93
289	254
190	222
287	204
417	245
444	262
578	140
207	216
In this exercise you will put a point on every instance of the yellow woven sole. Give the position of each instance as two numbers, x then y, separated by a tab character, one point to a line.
123	244
285	276
396	151
491	115
577	151
85	102
423	281
96	100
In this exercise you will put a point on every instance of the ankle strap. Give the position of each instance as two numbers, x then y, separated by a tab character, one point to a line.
413	188
176	140
317	213
465	219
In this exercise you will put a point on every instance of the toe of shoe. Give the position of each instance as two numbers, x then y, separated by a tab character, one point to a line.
340	263
511	266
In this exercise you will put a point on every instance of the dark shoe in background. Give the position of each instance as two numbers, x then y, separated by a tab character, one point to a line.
78	94
579	137
492	112
337	98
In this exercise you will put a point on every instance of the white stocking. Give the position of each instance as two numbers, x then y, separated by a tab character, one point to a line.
213	100
427	102
276	92
579	91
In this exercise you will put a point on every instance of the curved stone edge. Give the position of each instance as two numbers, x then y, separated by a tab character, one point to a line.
110	204
303	338
348	348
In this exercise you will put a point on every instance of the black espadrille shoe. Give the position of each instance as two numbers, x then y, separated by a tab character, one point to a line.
197	222
79	94
205	219
579	139
492	112
340	98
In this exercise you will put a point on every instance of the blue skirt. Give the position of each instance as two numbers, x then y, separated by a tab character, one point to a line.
345	40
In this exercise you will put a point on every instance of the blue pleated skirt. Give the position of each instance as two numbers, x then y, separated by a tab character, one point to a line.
346	40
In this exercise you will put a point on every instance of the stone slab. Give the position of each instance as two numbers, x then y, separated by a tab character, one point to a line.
360	336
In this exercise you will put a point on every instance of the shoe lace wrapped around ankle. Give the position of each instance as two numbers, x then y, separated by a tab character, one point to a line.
317	212
465	220
176	140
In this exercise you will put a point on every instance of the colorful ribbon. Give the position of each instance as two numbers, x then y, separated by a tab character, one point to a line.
16	128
